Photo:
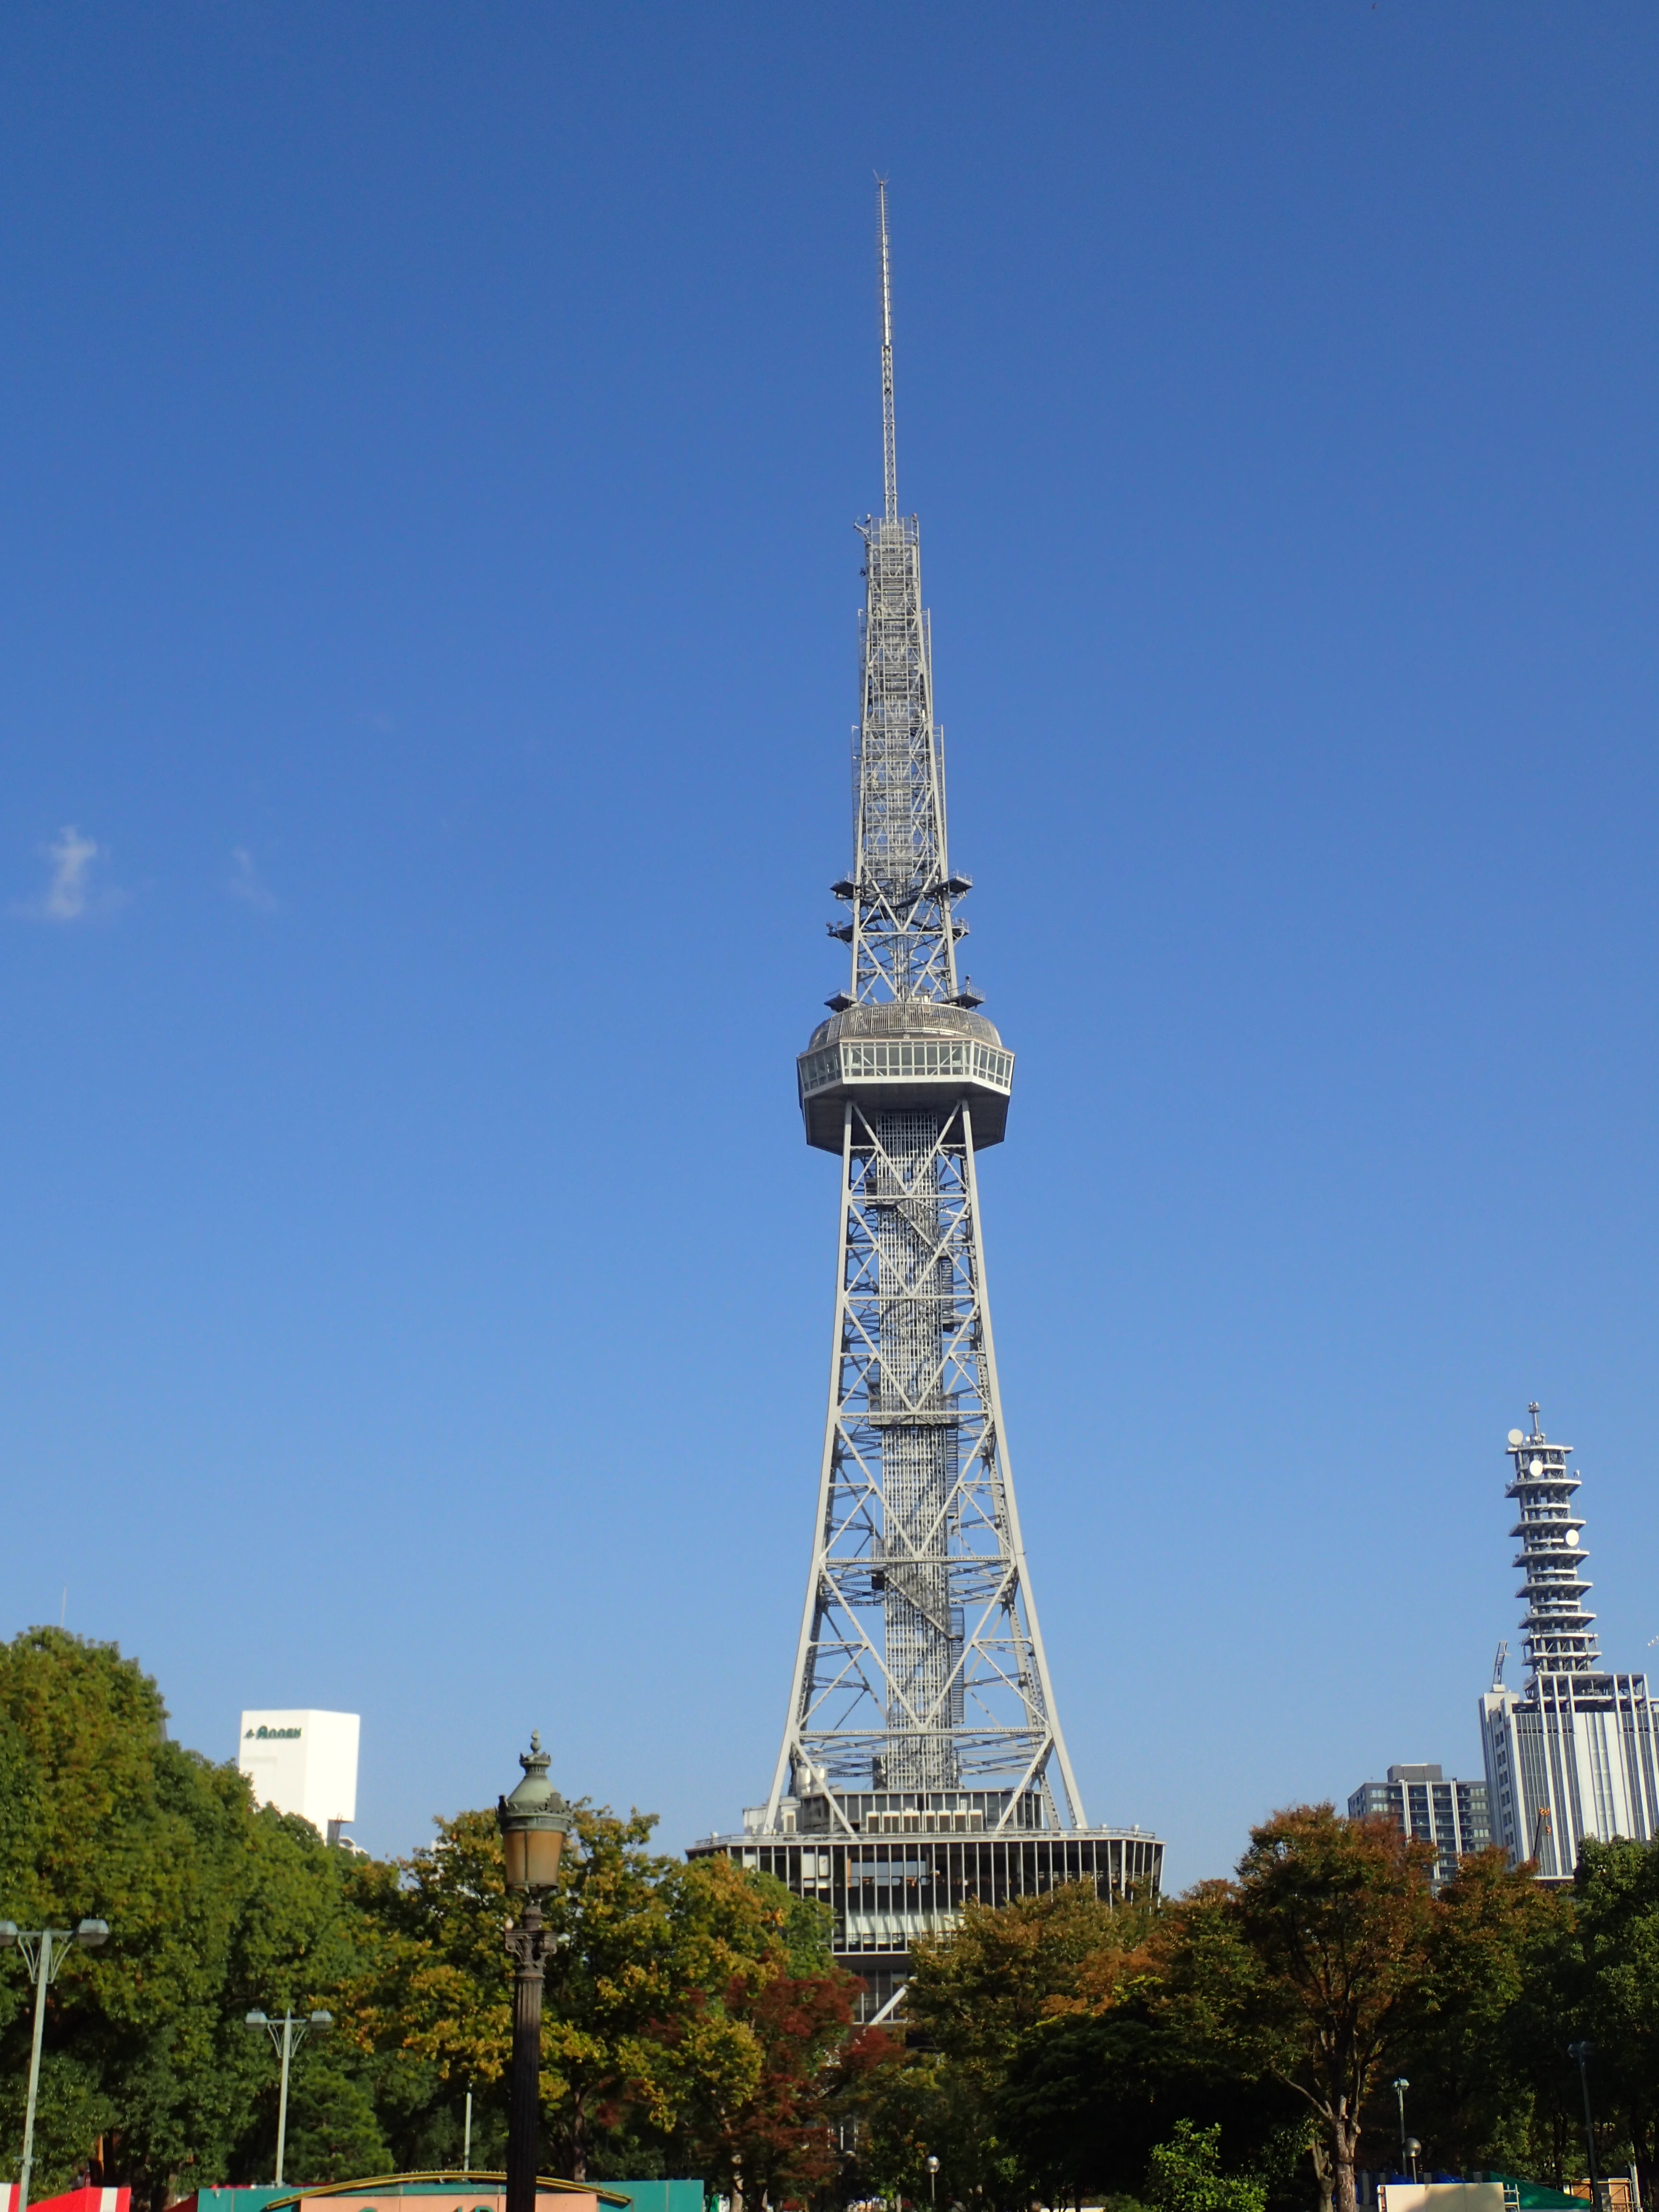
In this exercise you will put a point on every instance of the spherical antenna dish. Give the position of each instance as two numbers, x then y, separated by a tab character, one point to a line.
1515	1436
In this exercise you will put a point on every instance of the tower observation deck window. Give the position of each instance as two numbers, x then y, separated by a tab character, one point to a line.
907	1058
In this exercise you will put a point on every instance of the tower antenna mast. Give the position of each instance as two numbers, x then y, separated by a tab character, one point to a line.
889	443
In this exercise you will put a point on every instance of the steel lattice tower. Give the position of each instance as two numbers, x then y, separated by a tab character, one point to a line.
921	1701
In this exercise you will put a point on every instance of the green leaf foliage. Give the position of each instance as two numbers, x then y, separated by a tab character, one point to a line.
1230	2053
214	1907
1184	2175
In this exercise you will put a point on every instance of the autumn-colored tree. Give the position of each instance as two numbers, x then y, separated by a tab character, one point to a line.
764	2136
976	2000
972	1994
695	2017
1334	1922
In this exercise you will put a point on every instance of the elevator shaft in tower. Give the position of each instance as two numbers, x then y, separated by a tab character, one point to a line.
922	1628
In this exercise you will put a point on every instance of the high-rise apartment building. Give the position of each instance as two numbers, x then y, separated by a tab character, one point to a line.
1572	1754
1422	1802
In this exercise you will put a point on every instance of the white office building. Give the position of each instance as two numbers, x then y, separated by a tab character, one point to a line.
303	1762
1572	1754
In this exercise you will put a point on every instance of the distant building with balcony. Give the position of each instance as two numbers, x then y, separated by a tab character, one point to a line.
1421	1801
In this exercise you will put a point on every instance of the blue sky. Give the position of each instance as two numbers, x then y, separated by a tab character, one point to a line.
429	444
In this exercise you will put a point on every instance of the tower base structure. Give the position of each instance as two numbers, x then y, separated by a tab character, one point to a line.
894	1865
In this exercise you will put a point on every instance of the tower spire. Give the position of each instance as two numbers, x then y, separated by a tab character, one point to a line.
889	447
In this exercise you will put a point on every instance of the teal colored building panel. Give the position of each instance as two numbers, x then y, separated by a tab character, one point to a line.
233	2200
659	2196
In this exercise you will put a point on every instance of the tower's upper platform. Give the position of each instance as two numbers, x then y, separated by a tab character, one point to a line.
904	1051
1559	1632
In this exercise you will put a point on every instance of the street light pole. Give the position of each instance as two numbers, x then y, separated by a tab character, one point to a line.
534	1822
281	2093
1413	2146
1399	2087
44	1950
1583	2052
932	2179
295	2030
527	1944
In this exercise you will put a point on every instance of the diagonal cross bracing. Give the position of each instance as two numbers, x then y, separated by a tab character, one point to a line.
920	1665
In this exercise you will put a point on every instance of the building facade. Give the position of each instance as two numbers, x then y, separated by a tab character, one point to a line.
303	1762
922	1765
1422	1802
1573	1754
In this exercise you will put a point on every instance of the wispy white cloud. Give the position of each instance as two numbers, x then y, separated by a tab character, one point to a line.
72	894
248	885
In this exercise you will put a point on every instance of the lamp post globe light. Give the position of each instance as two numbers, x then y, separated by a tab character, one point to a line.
44	1950
932	2178
287	2034
1413	2150
534	1822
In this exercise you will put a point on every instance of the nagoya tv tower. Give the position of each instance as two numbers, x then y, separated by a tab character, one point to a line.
922	1762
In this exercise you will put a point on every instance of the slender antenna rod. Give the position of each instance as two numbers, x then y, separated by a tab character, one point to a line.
888	450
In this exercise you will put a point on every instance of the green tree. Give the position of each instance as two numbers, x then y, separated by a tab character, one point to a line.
1468	2038
1085	2100
1611	1988
1184	2175
654	2029
212	1907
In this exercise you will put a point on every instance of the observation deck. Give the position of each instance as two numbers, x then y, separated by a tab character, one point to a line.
904	1051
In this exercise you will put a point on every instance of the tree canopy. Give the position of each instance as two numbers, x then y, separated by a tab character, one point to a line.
693	2012
1229	2051
1236	2048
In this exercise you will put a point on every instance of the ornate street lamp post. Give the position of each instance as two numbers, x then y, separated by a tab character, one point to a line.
534	1823
1399	2087
44	1950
